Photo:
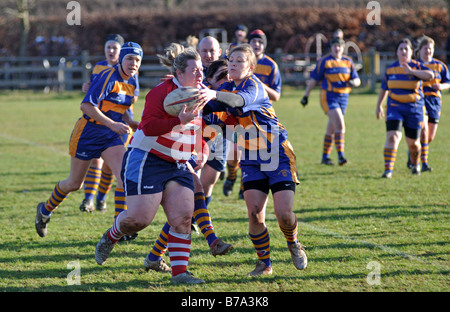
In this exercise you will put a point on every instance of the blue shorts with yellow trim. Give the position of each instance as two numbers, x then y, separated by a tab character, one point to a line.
433	108
145	173
410	114
332	100
89	140
280	168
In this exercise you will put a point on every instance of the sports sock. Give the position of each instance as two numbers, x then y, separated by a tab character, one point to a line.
54	201
119	200
290	233
339	141
105	184
91	182
114	232
424	152
327	146
202	218
208	200
160	246
390	154
261	242
179	246
414	157
232	171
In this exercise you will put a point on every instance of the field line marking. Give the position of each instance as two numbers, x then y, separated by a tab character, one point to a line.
372	245
31	143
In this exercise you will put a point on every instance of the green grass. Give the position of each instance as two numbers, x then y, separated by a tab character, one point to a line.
349	217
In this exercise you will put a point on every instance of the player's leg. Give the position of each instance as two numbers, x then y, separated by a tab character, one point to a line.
78	170
106	181
91	184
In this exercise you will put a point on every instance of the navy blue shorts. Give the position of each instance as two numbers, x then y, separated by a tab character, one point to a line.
145	173
433	106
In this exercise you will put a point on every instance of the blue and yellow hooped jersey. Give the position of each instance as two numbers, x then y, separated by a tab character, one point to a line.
260	130
111	94
403	88
335	74
267	71
98	68
441	75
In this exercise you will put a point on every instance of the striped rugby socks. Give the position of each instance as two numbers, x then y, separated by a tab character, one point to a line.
390	154
57	197
339	141
261	243
327	146
120	202
290	233
160	246
91	182
106	181
203	218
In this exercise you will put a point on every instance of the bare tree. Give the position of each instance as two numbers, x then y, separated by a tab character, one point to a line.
23	13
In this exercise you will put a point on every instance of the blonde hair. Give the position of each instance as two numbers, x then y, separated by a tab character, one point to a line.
423	41
248	51
175	57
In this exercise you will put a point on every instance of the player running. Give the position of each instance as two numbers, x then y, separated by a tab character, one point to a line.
98	132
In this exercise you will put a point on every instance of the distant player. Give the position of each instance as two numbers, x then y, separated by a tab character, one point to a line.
402	85
433	95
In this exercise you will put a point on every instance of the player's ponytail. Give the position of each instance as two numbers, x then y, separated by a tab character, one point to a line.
176	56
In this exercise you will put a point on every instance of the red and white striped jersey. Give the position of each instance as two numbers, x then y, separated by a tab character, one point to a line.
162	134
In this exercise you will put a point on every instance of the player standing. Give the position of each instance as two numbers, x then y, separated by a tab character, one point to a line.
338	75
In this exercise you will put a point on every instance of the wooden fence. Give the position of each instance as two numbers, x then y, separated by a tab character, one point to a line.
69	73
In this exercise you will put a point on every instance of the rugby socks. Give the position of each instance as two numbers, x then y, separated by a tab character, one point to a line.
339	141
261	243
160	246
203	218
104	186
54	201
119	200
91	182
327	146
290	233
179	246
390	154
414	157
114	233
424	154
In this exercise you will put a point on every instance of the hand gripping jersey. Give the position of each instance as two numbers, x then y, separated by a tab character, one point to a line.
261	134
160	133
403	88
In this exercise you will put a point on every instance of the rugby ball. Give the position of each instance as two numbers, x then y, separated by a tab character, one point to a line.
174	101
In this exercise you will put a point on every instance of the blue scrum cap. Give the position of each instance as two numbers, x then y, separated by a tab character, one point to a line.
130	48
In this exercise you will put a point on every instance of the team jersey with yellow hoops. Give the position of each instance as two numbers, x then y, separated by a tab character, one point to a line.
267	71
111	94
335	73
441	75
261	135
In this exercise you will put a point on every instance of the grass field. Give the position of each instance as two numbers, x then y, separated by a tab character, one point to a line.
362	233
